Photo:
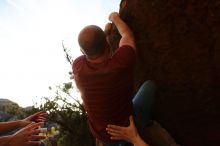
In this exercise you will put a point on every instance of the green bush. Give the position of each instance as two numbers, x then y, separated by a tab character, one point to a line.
69	116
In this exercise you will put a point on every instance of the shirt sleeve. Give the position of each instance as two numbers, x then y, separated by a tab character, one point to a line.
125	55
77	64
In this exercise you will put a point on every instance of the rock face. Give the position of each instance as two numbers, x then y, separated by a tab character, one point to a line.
178	45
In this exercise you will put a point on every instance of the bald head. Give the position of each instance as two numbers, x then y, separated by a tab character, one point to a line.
92	41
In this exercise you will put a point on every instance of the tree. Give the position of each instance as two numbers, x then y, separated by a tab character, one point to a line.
68	113
70	116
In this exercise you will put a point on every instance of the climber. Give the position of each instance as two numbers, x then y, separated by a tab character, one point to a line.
27	135
105	81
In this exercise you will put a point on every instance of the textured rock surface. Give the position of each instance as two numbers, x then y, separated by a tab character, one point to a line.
179	47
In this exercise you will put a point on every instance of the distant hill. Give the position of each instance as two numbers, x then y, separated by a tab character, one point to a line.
6	102
8	110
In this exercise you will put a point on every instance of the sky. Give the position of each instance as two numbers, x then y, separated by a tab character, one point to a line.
31	35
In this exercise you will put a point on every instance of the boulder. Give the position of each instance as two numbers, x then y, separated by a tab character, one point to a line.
178	44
